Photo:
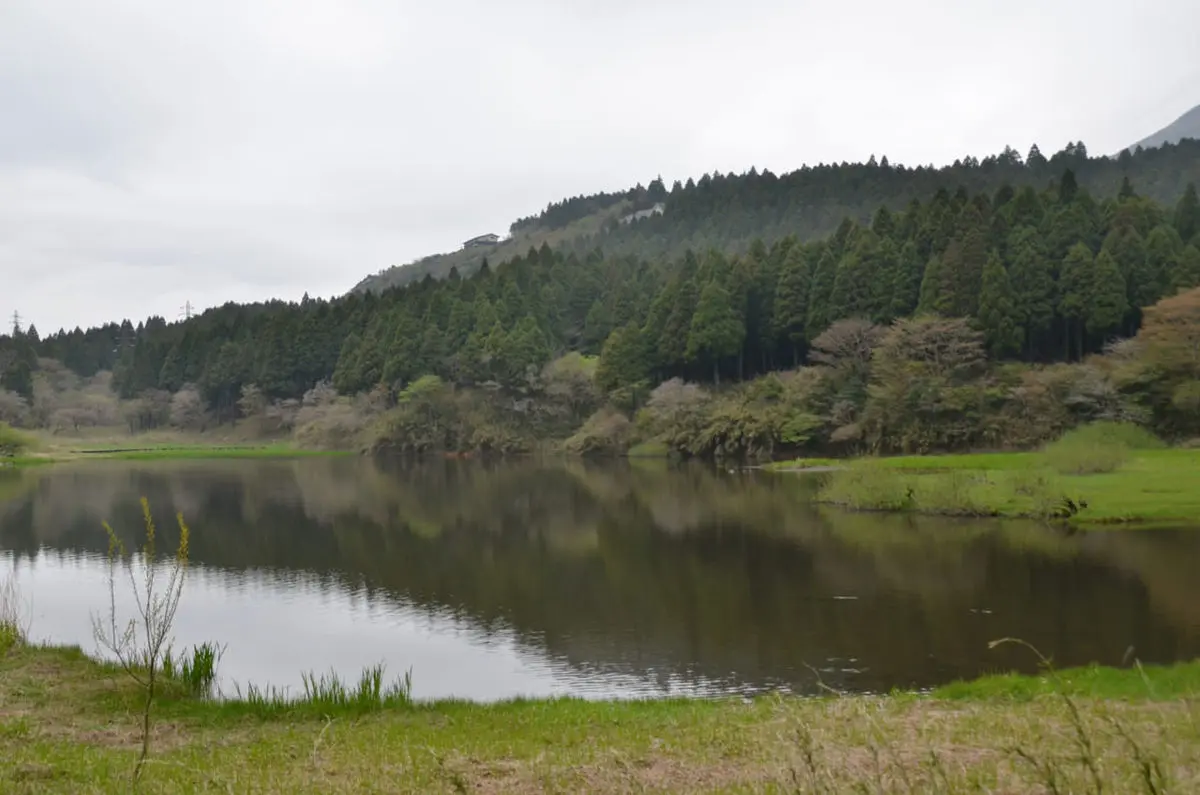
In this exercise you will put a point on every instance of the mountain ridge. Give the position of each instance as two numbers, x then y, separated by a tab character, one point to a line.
728	211
1186	126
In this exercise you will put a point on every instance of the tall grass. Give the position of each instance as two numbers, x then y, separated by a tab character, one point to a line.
1098	447
14	621
329	694
1068	742
197	672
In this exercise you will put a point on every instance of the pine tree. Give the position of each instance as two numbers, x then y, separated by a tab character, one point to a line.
791	302
717	330
1163	248
1068	187
1187	215
1128	249
1032	283
1107	300
935	297
596	328
966	274
853	281
1186	273
1074	288
906	281
885	280
819	294
999	317
623	361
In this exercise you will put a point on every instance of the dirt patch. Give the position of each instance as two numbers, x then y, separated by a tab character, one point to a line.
615	774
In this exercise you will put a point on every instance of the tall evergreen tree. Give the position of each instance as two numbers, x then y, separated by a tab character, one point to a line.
1186	273
717	330
1107	301
791	302
1163	249
1032	280
999	317
936	297
852	283
1187	215
906	281
1074	294
624	361
819	315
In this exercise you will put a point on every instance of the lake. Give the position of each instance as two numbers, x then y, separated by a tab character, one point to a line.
621	579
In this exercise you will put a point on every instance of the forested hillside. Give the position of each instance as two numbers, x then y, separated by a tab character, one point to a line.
1028	272
728	212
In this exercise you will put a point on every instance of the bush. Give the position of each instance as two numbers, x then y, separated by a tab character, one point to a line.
12	442
1098	447
605	433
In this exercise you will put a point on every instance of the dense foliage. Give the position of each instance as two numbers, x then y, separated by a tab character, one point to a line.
1044	275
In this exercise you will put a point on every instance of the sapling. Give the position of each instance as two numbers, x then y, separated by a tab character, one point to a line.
140	643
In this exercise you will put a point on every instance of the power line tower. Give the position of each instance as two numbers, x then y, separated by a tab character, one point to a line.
16	322
186	310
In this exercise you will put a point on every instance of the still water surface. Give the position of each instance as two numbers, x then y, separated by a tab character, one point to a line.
551	578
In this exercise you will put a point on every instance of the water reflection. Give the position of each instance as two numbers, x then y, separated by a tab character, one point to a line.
491	581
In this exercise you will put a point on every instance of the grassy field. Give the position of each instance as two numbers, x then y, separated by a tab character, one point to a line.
70	725
158	445
1151	487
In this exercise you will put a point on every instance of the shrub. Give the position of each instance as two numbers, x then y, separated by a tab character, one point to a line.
605	433
12	442
1098	447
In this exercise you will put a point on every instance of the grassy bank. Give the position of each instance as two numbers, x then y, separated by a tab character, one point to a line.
158	445
69	724
1152	488
167	452
1101	474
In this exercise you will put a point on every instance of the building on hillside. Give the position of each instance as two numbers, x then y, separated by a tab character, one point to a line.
657	209
482	240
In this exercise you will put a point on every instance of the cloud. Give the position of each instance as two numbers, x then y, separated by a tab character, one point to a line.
159	152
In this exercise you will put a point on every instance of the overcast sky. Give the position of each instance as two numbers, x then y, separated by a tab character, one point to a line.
154	152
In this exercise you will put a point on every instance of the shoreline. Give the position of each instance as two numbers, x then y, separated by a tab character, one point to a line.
68	721
1152	488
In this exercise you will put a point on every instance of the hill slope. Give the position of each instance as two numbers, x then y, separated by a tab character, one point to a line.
1186	126
727	212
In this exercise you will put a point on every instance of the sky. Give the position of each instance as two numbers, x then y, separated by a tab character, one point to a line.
158	153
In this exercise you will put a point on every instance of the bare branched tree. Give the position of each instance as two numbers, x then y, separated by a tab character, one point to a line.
139	643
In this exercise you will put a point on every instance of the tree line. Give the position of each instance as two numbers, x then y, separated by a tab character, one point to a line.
1042	275
729	211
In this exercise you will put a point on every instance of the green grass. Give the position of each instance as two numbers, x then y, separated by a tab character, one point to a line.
931	463
69	724
166	452
1163	683
1149	487
803	463
651	449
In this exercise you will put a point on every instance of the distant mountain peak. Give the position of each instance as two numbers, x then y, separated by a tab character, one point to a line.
1186	126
